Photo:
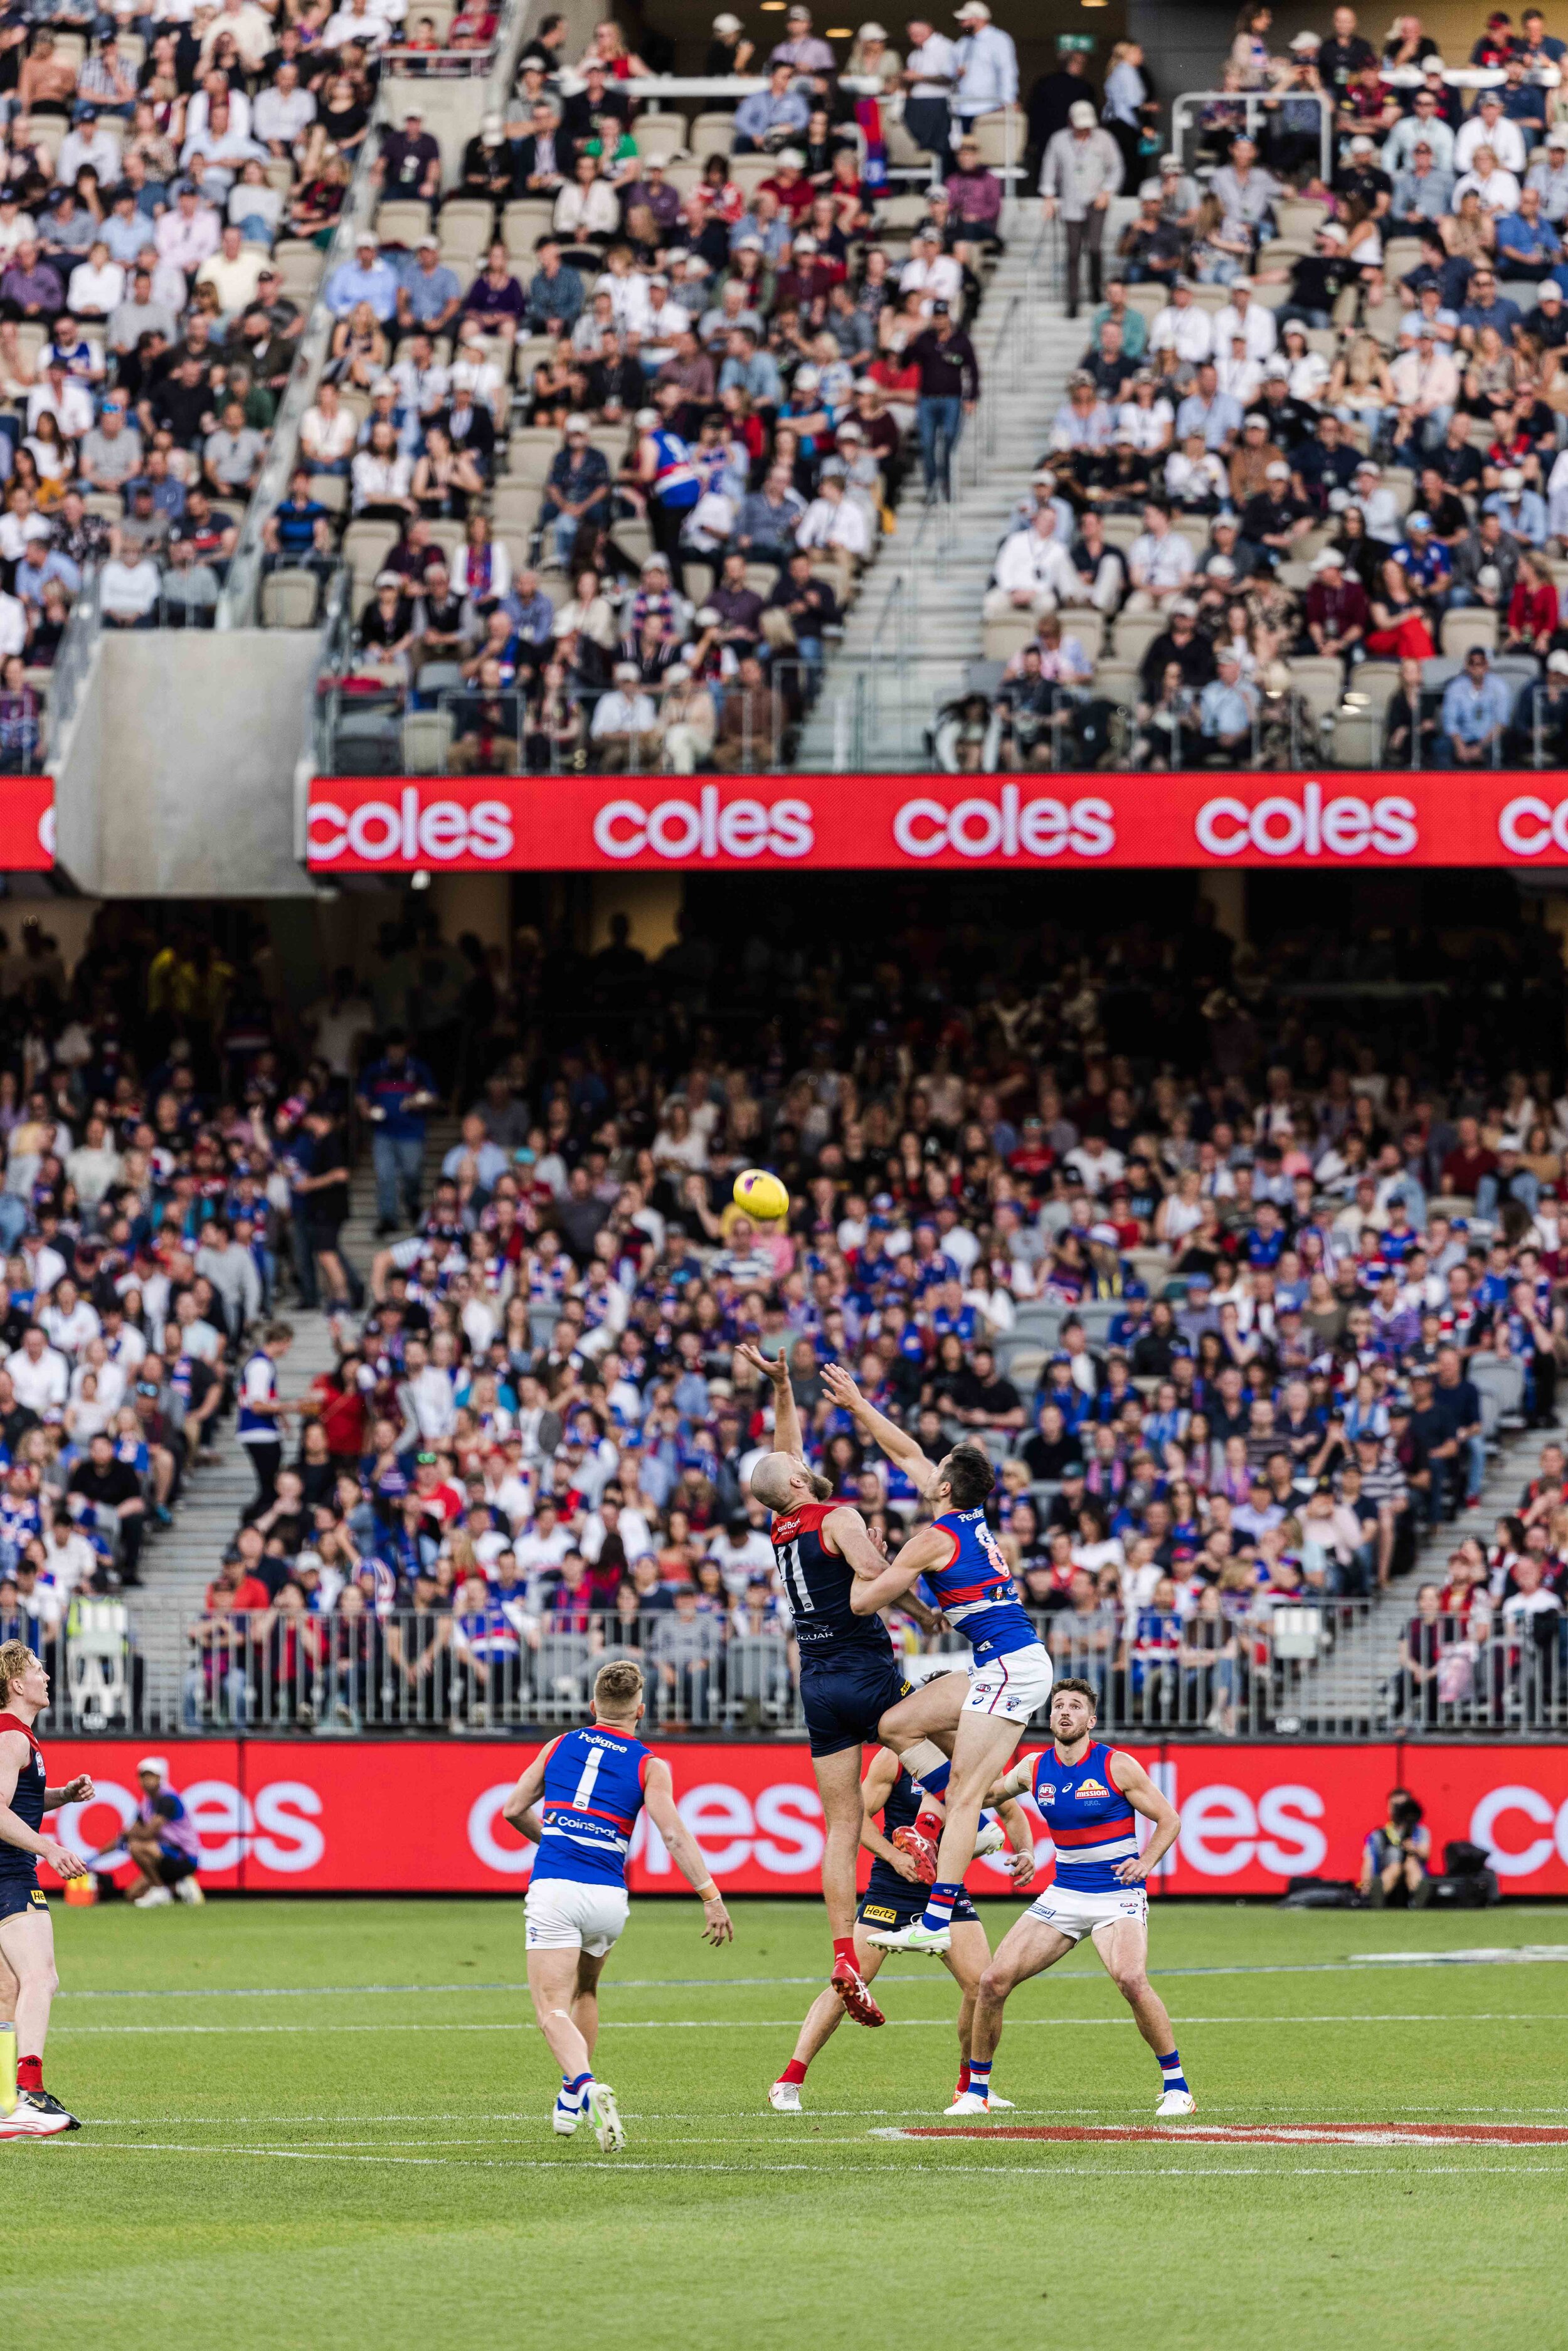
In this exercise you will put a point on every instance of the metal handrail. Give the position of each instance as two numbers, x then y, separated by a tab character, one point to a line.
1256	104
72	664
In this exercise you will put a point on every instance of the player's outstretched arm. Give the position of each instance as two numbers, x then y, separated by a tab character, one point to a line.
519	1808
1145	1798
927	1550
15	1751
787	1437
883	1432
659	1796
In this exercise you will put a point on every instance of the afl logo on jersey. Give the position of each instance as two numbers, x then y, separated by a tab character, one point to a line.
1046	1795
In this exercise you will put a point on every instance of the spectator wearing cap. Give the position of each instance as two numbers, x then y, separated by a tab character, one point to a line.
576	491
769	118
1540	719
1337	610
1423	188
1292	113
1425	386
987	65
949	380
1081	170
1226	707
1150	250
728	51
974	194
1316	280
409	164
801	50
1243	315
431	294
1275	518
1477	706
1423	564
1489	126
1247	472
488	161
366	278
624	727
1520	510
1548	175
1183	327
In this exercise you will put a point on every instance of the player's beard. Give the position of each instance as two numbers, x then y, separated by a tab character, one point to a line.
821	1487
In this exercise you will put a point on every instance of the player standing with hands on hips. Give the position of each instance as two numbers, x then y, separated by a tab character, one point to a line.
27	1978
1088	1794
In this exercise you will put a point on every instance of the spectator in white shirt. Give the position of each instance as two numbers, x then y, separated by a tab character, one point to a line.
97	284
283	113
1159	563
40	1378
233	271
1183	327
328	432
13	626
625	721
834	522
1034	573
930	271
88	143
128	591
1489	126
1242	316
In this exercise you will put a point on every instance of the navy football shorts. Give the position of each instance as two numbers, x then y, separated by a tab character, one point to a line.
18	1894
878	1907
844	1696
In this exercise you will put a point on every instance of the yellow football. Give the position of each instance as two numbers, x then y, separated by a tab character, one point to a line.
758	1191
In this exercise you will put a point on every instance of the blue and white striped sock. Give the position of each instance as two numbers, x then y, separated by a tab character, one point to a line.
1171	2075
980	2076
939	1903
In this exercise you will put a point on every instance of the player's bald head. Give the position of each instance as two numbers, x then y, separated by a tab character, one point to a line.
774	1481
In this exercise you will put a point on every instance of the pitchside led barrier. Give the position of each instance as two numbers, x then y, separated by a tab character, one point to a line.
424	1816
27	824
784	823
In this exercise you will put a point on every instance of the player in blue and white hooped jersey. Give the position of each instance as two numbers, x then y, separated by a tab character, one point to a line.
1090	1796
579	1801
1009	1677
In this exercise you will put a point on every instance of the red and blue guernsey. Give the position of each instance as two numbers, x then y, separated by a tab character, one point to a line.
976	1591
1092	1824
592	1795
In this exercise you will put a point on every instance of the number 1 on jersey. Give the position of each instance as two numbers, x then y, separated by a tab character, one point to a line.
584	1790
795	1582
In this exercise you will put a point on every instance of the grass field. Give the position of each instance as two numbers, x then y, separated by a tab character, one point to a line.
321	2123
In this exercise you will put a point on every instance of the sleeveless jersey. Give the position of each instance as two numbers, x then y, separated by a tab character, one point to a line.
1093	1826
254	1428
27	1803
592	1795
675	482
899	1812
975	1589
818	1583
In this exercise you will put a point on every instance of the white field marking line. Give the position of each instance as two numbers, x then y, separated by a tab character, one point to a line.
827	2170
783	2023
1500	1954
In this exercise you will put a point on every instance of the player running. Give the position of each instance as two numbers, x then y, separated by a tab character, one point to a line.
27	1978
593	1782
1010	1674
893	1898
1089	1793
849	1675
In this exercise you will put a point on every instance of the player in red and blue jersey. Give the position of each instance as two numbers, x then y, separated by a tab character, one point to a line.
28	1978
579	1801
1090	1796
850	1678
1009	1677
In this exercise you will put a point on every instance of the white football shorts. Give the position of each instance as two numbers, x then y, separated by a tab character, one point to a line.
1077	1915
1012	1687
563	1916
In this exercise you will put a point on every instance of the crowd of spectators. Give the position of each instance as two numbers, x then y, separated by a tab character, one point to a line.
168	178
1308	490
1232	1299
615	423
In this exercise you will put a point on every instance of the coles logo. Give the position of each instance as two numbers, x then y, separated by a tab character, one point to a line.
1529	826
277	1825
1305	823
409	830
1005	825
706	827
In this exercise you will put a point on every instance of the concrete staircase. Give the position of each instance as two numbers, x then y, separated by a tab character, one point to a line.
917	624
178	1565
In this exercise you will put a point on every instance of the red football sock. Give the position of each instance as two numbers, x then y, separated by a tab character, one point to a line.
30	2073
844	1948
963	2077
929	1825
794	2071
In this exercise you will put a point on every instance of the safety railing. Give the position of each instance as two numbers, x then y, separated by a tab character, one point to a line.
1251	111
1308	1662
